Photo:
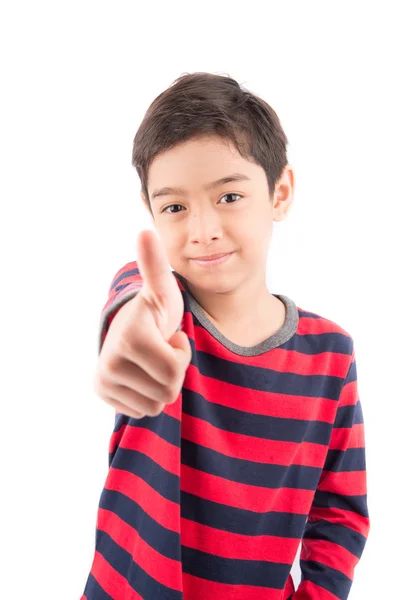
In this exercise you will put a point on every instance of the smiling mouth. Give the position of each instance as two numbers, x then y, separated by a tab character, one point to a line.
211	256
214	261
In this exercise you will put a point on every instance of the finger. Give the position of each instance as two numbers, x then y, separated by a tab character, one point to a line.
135	401
131	376
121	408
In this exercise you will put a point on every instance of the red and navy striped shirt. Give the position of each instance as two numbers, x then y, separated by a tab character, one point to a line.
262	451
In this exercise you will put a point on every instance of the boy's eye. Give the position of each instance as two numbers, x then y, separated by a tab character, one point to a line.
231	195
174	212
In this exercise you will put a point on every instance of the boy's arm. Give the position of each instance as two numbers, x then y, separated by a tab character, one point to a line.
126	284
338	523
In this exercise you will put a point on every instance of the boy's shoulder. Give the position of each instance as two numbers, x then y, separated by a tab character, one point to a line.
321	327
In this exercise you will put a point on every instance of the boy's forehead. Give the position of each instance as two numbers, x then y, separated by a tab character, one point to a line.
198	162
205	150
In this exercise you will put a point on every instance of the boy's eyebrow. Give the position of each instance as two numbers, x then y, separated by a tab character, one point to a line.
166	191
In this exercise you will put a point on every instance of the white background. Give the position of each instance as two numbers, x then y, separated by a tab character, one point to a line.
76	79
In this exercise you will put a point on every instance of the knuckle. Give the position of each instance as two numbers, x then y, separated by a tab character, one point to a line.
173	370
98	385
108	400
172	392
170	395
109	366
104	381
125	346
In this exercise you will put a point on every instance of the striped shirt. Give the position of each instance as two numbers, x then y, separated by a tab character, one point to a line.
263	451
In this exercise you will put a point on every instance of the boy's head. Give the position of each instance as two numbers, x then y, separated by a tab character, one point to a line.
204	128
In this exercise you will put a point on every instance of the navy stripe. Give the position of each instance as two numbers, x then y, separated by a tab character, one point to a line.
164	482
331	579
352	373
262	475
138	579
167	427
263	379
261	426
241	521
164	425
209	461
124	275
121	287
356	504
339	461
343	536
165	541
94	591
231	571
307	314
349	415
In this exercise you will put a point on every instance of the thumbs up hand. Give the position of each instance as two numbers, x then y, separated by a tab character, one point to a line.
143	360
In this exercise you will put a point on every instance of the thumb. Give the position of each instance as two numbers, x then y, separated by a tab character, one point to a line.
160	289
153	265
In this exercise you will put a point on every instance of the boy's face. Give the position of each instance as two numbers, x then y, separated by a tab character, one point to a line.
231	217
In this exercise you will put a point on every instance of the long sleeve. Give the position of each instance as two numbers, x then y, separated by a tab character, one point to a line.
338	523
125	284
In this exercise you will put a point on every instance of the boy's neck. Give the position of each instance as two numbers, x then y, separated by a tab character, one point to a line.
247	314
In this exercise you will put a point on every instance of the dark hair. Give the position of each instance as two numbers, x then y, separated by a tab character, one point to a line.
199	104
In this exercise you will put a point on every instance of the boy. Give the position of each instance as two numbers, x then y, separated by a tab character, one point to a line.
238	430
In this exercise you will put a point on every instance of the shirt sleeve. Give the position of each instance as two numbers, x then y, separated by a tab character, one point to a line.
126	284
338	523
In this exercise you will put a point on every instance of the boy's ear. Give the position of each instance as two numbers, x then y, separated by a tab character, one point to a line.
283	196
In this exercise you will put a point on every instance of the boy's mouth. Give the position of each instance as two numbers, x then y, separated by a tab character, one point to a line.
214	259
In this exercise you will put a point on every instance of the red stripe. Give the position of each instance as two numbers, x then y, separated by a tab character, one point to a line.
251	448
111	581
241	495
149	443
278	359
316	325
165	512
343	438
160	568
197	588
237	546
348	518
330	554
345	483
308	590
260	402
349	395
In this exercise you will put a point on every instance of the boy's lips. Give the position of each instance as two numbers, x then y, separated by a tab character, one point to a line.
211	256
211	262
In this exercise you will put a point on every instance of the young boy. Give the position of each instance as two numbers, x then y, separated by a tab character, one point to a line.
238	431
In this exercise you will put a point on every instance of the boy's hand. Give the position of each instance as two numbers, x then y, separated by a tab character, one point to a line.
143	360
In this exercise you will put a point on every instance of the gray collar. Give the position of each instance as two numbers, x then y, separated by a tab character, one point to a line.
283	334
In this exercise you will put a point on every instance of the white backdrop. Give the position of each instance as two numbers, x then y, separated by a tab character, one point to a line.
76	79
